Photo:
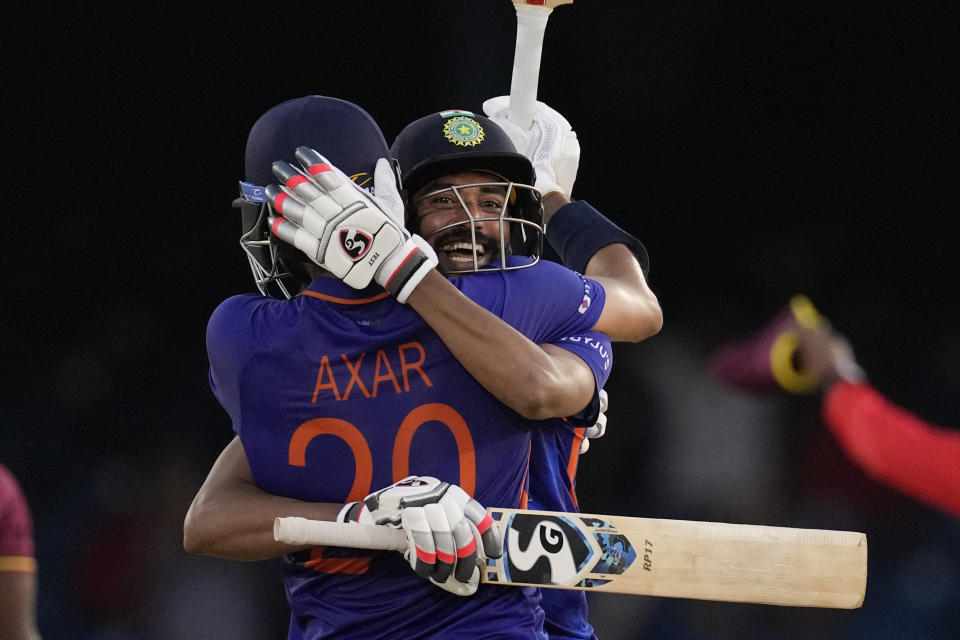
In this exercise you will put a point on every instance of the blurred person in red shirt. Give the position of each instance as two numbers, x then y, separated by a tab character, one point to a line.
799	351
893	445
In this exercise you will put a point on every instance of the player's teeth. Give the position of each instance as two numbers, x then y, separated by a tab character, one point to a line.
462	246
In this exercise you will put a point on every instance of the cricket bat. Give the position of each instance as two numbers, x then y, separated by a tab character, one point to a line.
646	556
532	18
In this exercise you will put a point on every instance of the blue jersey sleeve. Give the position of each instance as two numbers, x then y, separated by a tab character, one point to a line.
335	394
226	351
232	339
596	351
546	301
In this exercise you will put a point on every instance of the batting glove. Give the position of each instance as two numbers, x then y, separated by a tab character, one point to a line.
356	236
449	534
550	144
599	428
387	191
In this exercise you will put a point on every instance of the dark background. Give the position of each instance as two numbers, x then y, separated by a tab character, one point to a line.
758	149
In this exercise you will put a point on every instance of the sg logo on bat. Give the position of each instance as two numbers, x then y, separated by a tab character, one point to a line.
559	550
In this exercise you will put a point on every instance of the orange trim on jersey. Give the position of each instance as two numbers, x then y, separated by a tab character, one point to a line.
574	454
524	496
23	564
323	296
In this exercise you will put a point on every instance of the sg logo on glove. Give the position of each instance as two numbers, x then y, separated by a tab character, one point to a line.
344	229
355	243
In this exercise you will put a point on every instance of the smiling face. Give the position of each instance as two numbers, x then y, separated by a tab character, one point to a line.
461	216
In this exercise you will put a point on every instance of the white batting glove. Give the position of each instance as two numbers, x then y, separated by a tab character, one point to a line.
344	229
386	190
599	428
550	143
449	534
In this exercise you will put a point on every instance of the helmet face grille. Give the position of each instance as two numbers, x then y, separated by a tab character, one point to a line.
269	274
463	241
455	142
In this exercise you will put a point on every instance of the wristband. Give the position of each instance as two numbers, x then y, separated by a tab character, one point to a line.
577	231
403	271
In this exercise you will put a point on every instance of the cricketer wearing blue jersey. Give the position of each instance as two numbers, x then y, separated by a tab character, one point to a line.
578	232
341	391
369	394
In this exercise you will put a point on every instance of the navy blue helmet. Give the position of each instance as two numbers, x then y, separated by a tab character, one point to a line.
343	132
455	141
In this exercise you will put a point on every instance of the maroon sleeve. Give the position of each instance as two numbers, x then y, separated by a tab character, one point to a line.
16	527
895	446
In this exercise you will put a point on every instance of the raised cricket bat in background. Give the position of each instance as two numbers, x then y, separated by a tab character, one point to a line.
646	556
532	18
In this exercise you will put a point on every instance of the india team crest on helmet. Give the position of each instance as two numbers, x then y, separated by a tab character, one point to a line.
463	131
355	243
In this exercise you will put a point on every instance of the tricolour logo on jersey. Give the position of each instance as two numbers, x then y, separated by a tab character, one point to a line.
584	304
463	131
355	243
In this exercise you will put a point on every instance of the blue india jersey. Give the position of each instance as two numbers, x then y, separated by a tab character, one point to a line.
339	392
555	452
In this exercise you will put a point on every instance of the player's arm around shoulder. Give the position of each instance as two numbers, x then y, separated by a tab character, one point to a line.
534	381
632	311
232	518
244	320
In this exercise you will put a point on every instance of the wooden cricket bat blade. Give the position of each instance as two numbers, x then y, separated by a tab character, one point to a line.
647	556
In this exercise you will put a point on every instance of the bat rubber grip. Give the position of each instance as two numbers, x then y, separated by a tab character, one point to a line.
531	25
301	531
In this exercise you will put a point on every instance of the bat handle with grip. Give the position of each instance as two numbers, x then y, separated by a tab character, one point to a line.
531	25
301	531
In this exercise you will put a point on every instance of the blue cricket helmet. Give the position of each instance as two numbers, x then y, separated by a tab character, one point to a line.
343	132
456	141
